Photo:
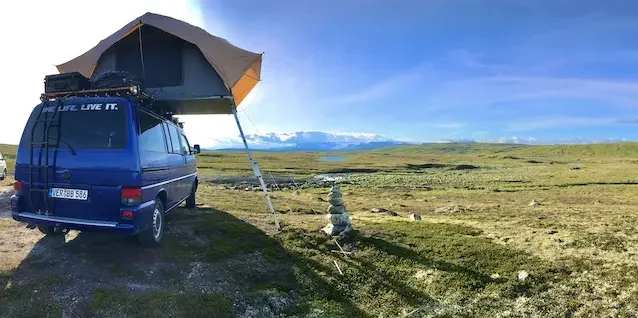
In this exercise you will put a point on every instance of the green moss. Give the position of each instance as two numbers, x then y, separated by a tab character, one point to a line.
604	241
328	308
401	265
31	299
160	304
5	277
225	237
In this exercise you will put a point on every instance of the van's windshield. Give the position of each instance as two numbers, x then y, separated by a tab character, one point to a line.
81	126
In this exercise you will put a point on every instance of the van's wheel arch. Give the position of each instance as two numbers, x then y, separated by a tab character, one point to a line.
190	201
154	233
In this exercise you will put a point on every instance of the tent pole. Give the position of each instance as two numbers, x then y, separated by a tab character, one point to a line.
256	170
139	32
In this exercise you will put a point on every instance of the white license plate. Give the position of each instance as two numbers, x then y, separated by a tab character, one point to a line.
73	194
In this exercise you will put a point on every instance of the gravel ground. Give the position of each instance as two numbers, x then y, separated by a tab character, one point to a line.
5	195
82	264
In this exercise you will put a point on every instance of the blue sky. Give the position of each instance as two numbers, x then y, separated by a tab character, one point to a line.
417	70
540	71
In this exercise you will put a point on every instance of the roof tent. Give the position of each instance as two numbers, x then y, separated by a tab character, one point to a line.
182	67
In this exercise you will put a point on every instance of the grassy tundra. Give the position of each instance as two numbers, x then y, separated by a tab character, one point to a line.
579	247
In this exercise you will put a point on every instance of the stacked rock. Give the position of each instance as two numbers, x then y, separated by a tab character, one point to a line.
337	214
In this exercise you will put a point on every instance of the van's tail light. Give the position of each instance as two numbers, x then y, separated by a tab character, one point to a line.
17	188
131	196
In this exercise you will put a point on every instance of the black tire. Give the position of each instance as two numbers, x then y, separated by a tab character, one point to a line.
190	201
152	236
50	230
4	174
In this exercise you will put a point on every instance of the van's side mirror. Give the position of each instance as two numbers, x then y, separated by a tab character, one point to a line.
197	148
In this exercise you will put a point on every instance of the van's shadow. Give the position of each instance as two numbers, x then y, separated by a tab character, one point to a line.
211	251
205	250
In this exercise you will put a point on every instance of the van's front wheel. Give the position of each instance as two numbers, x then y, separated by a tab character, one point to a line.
153	235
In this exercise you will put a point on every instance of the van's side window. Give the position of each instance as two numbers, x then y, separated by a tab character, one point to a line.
186	147
167	137
174	140
151	133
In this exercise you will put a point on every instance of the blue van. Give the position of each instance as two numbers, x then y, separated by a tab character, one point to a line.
102	164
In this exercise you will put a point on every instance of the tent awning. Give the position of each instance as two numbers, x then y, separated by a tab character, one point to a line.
239	69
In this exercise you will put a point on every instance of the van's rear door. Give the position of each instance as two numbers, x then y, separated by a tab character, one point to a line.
90	158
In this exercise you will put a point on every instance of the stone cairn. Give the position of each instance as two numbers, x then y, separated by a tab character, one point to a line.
337	214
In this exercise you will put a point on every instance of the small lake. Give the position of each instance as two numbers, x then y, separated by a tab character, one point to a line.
333	158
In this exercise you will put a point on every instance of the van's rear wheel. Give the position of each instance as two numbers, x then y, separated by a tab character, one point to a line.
4	174
153	235
190	201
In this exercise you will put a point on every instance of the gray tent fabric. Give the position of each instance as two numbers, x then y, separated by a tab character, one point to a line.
181	65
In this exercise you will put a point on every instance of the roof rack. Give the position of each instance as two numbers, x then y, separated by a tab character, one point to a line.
142	98
128	91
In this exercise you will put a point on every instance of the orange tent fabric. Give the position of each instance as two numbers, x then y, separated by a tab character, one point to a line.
239	69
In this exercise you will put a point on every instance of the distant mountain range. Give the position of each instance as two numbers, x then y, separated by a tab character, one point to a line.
310	141
322	141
